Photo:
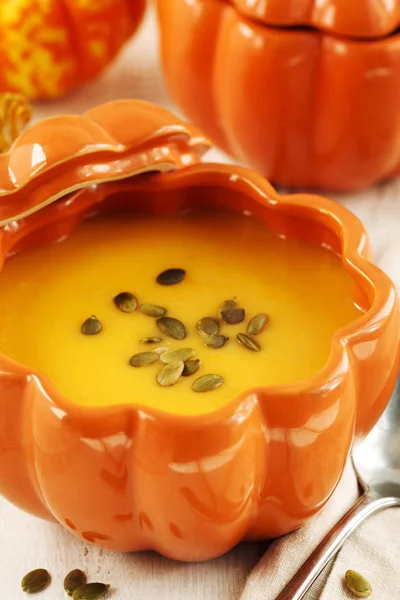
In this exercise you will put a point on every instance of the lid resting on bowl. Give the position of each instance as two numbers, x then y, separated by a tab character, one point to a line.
117	140
351	18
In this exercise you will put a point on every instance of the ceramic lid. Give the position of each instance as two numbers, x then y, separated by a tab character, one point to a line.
351	18
62	154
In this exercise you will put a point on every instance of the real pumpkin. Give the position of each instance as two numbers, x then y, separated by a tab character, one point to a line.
48	47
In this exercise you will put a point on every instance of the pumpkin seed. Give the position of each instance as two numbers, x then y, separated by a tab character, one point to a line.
151	340
90	591
91	326
126	302
35	581
206	383
257	324
191	366
177	354
248	342
357	584
74	580
161	349
216	341
171	327
232	316
171	373
171	276
142	359
152	310
227	305
207	326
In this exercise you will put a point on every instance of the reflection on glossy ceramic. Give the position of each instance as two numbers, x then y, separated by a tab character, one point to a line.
357	19
190	487
305	107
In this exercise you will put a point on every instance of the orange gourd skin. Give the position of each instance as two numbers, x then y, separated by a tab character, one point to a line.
309	108
132	478
49	48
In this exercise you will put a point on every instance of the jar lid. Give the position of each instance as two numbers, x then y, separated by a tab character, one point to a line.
351	18
113	141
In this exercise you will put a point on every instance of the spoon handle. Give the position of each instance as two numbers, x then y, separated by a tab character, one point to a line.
332	542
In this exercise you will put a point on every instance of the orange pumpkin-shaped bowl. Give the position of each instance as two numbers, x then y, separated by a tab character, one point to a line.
49	48
306	92
190	487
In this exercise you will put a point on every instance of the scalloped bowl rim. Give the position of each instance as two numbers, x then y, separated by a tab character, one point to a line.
353	236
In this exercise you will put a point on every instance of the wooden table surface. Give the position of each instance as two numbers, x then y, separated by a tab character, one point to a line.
27	543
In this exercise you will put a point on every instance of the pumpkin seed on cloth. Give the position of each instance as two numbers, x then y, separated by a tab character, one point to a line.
74	580
191	366
171	373
142	359
35	581
126	302
207	383
232	316
152	310
90	591
171	276
257	324
207	326
248	342
357	584
91	326
172	327
216	341
182	354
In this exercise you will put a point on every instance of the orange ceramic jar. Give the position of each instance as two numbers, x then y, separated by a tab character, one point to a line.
306	92
129	477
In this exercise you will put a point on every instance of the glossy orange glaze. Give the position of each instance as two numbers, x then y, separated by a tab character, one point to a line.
48	48
305	107
356	18
256	468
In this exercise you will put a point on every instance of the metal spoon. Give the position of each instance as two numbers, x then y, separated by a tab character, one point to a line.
377	465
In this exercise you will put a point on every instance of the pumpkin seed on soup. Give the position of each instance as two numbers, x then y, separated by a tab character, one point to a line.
161	349
191	366
232	316
182	354
257	324
171	276
172	327
74	580
152	310
35	581
227	305
90	591
126	302
357	584
91	326
171	373
207	383
151	340
207	326
248	342
216	341
142	359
